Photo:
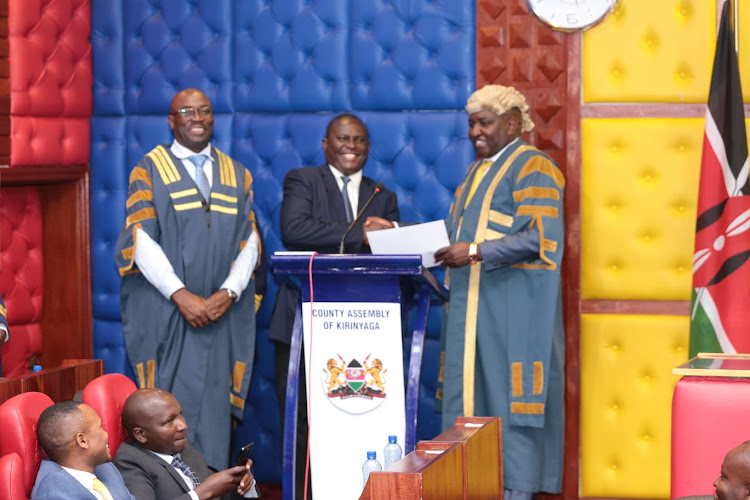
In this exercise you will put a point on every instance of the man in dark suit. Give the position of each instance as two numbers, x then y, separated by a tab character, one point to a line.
80	465
159	462
315	217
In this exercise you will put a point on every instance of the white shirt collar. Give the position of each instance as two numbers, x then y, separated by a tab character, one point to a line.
85	478
182	153
163	456
356	178
494	157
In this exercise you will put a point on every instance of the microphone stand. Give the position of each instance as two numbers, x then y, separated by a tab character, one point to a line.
378	188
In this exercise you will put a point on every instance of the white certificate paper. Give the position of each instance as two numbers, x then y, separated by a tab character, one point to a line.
423	239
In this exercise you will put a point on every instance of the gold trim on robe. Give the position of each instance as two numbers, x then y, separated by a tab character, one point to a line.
472	299
516	374
528	408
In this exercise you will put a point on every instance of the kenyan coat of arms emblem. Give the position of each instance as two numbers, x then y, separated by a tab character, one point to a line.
355	387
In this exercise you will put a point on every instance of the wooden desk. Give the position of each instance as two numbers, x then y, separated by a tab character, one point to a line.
60	383
482	445
433	471
468	465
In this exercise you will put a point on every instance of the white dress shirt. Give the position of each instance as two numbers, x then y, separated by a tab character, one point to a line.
154	264
87	481
352	189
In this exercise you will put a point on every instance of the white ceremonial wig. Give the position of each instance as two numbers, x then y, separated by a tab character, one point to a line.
500	99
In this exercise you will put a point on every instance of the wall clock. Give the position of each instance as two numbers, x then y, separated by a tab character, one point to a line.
571	15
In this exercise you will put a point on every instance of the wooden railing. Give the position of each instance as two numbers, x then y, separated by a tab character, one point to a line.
60	383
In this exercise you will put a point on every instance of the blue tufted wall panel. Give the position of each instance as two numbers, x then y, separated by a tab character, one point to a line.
173	44
294	55
408	54
277	71
107	38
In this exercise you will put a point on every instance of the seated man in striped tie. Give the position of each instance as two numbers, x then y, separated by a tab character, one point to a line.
160	463
79	464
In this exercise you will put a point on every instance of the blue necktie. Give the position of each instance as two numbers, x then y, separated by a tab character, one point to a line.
177	463
200	176
345	197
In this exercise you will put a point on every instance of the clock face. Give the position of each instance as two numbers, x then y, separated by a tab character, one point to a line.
571	15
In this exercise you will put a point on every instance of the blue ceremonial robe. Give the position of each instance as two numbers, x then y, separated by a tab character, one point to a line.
503	333
207	369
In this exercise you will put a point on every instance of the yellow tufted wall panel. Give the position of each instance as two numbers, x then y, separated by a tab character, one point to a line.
626	396
651	51
744	48
639	186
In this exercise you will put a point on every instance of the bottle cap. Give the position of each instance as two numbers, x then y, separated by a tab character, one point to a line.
392	439
371	455
36	368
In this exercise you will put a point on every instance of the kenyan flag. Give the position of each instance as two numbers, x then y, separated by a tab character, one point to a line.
720	320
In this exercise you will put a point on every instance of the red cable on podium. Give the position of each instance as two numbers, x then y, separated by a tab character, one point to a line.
309	381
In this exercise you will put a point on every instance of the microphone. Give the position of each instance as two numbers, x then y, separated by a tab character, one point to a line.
378	188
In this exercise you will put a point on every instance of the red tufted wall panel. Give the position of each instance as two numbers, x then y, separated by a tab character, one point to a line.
50	81
46	101
21	274
49	141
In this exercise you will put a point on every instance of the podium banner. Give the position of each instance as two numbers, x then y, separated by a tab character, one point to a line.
354	362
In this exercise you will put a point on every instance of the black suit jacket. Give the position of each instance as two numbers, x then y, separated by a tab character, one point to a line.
148	477
313	218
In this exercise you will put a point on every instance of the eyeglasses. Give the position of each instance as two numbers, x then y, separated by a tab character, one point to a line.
189	111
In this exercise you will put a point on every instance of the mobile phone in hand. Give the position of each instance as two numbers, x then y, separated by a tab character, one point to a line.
244	455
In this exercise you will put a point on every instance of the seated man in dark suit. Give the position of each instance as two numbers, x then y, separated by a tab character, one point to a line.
159	463
80	466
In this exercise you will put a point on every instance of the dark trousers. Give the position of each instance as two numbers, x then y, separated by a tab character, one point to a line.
282	367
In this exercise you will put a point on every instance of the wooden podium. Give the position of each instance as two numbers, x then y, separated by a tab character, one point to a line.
464	462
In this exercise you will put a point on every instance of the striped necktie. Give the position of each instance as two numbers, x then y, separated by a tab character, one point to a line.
200	176
177	463
345	199
102	490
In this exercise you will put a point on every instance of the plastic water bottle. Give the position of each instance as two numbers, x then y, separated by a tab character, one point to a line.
370	465
391	452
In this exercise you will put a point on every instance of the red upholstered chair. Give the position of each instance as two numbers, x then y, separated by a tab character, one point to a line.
18	418
11	478
107	395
